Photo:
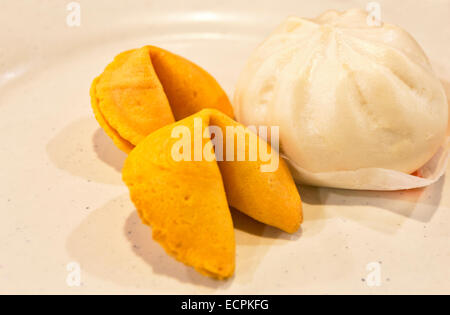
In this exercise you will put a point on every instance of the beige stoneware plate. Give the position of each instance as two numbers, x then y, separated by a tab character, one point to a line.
62	201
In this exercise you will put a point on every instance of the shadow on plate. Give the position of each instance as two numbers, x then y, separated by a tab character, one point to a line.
143	246
107	151
247	225
84	150
253	242
417	204
113	244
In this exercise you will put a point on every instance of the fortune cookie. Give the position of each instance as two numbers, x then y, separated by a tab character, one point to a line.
145	89
183	191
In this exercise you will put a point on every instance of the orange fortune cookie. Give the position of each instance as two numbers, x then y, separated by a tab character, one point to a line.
186	200
145	89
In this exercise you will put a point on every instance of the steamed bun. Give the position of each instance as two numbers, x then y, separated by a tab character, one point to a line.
346	95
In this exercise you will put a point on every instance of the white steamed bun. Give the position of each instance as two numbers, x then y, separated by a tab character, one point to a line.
346	95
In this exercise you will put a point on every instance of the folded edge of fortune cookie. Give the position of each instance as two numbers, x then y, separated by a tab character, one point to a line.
270	197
